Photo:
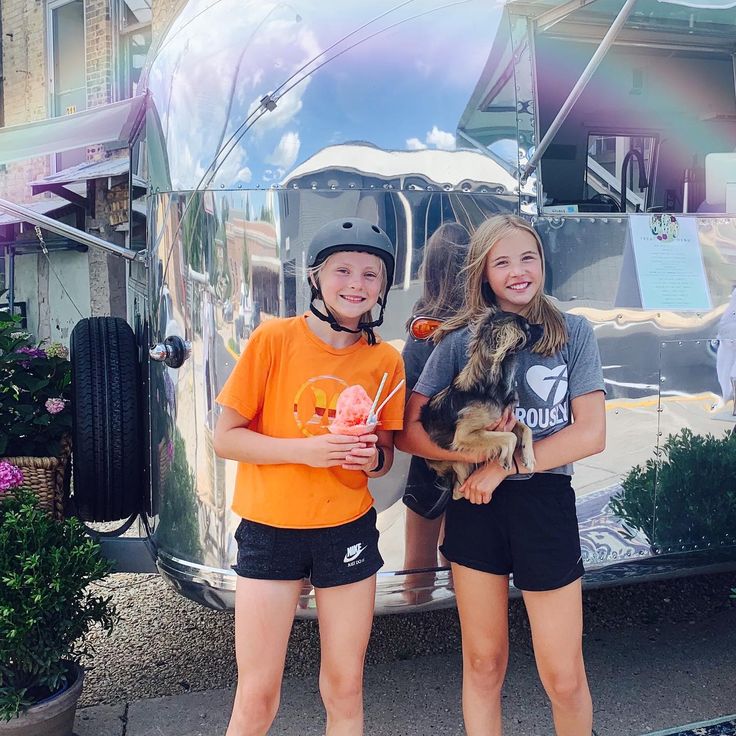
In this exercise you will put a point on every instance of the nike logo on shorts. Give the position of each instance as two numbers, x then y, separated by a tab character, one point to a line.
354	551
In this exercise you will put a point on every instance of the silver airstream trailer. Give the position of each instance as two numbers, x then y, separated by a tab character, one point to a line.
610	124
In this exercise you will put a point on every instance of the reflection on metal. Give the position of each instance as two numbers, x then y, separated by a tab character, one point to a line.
173	351
580	85
428	130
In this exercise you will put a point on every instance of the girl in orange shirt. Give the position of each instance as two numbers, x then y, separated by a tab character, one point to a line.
302	492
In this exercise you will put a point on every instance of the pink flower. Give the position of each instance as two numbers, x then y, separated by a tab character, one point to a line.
54	406
11	476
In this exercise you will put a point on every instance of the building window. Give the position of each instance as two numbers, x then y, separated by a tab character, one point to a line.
132	39
67	67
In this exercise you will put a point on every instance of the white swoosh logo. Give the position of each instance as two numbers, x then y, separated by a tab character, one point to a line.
357	552
542	380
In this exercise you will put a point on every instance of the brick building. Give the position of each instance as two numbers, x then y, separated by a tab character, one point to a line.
63	58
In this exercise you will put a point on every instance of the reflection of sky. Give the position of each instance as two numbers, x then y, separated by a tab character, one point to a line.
404	89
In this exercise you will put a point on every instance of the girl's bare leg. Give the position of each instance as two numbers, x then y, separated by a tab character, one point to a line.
420	551
345	619
264	613
556	618
482	602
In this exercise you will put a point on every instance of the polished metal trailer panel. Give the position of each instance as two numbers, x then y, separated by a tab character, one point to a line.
264	120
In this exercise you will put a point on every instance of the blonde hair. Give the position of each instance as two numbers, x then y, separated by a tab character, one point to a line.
314	271
540	309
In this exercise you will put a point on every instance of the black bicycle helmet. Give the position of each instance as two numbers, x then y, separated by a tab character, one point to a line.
351	234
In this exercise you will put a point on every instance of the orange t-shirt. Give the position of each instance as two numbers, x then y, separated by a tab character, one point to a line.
287	382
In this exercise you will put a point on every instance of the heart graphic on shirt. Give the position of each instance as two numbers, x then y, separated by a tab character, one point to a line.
548	381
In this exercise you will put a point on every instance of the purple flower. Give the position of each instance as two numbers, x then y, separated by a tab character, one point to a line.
32	352
54	406
11	476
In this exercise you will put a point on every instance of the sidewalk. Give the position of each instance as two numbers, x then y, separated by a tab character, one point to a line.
643	680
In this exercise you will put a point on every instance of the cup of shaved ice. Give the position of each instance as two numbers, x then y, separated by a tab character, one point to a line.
351	413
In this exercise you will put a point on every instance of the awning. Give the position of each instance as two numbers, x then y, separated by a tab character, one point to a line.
44	207
108	169
105	124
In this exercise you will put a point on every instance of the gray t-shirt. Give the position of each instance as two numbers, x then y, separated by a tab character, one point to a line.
545	385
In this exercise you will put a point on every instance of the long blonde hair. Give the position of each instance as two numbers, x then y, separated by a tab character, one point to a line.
540	309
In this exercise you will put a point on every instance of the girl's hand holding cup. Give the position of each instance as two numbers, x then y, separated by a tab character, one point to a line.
365	456
329	450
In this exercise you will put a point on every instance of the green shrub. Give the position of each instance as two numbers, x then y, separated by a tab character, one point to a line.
695	482
46	607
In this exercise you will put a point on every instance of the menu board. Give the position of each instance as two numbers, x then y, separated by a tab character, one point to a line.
663	266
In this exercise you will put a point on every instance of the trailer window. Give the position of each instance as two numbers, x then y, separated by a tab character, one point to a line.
606	155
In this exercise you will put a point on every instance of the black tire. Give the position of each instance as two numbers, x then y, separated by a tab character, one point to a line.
106	432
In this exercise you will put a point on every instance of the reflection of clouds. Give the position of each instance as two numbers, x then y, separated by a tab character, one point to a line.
414	144
286	151
306	49
435	138
441	139
226	75
423	68
273	174
244	175
286	110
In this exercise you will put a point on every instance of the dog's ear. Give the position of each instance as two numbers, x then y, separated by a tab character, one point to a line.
498	315
536	333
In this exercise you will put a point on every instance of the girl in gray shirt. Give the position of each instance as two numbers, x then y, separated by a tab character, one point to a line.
518	523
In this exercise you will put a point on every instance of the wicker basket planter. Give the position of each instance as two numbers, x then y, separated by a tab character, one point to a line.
46	477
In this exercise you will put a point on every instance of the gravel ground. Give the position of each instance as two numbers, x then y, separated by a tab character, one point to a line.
166	645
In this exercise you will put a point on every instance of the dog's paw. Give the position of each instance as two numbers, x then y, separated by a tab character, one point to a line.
527	455
506	453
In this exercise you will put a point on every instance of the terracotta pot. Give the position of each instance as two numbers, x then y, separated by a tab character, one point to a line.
53	716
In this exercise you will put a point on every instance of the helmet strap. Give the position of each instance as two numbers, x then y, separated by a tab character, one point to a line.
366	327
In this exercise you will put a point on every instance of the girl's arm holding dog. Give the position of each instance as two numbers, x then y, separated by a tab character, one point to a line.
414	440
586	436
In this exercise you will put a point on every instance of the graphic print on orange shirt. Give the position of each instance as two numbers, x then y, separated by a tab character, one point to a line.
315	403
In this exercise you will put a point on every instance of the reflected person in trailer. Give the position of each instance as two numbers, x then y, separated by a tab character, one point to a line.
517	522
301	489
442	296
726	354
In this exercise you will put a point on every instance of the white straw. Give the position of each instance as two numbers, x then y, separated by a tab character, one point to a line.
378	393
386	400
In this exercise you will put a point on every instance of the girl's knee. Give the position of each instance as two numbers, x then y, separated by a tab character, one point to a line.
486	670
567	687
256	705
342	693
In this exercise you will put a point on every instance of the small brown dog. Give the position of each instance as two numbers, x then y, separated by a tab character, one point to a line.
456	418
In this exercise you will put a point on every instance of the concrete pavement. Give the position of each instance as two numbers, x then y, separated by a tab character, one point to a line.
644	679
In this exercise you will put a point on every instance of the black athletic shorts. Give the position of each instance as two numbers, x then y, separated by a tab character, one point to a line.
529	529
329	556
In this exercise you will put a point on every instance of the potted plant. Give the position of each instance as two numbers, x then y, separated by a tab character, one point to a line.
46	608
35	416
